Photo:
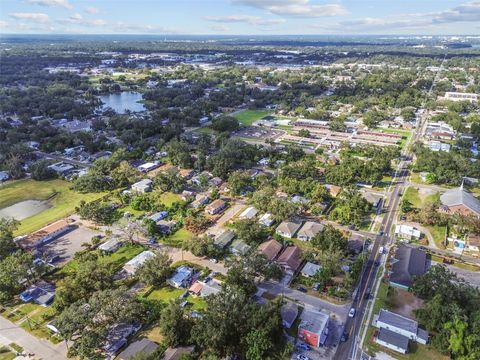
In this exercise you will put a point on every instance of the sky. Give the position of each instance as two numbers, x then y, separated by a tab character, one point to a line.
241	17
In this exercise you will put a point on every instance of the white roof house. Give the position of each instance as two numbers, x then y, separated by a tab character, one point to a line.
142	186
407	232
132	266
248	213
111	245
267	220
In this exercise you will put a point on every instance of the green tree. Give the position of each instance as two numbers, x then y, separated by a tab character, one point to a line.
7	245
174	325
40	171
156	270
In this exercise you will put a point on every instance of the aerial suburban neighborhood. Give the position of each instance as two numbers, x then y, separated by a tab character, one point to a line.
240	197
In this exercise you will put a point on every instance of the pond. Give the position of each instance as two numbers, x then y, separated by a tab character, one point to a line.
24	209
126	100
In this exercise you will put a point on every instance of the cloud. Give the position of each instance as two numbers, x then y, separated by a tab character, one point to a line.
92	10
219	28
39	18
122	27
51	3
466	12
298	8
77	19
248	19
3	24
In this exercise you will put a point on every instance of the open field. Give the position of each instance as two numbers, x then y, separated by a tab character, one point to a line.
248	117
168	293
62	200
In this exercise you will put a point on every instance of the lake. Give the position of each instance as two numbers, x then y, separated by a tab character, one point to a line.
126	100
24	209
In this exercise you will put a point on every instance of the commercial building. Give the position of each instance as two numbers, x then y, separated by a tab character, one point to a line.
459	201
313	328
44	235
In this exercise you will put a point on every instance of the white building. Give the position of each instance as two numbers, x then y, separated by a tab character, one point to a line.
400	325
248	213
132	266
407	232
458	96
142	186
267	220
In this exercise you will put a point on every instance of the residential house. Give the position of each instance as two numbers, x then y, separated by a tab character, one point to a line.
472	242
142	186
132	266
239	247
182	277
403	328
373	199
407	262
459	201
158	216
356	243
200	200
288	228
270	249
267	220
41	293
166	227
117	337
248	213
289	313
187	195
177	353
143	346
290	259
61	168
310	269
44	235
407	232
111	245
309	230
216	207
210	287
313	329
215	182
224	239
149	166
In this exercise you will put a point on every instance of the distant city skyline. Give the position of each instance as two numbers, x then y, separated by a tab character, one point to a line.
241	17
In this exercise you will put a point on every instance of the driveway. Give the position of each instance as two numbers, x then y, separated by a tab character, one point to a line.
339	312
227	215
43	349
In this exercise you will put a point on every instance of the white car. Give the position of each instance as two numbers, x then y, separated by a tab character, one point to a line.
351	313
381	250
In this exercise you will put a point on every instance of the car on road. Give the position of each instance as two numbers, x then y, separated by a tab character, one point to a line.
367	293
302	289
302	357
152	241
380	232
344	337
352	312
381	250
423	248
303	347
377	263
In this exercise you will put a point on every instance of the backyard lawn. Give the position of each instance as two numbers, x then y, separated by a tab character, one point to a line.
177	238
61	199
248	117
168	293
169	198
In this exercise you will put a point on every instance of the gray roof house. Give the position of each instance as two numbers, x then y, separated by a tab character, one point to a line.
289	313
239	247
309	230
403	327
407	263
288	228
144	346
224	239
142	186
392	340
310	269
111	245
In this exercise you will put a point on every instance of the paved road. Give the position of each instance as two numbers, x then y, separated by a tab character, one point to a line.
10	332
275	288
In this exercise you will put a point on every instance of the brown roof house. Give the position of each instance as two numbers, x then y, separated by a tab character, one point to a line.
270	249
459	201
216	207
333	189
290	259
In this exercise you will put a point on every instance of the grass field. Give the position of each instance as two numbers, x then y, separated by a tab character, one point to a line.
248	117
178	237
168	293
62	200
169	198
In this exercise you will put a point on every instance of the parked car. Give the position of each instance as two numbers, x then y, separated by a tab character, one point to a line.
302	289
152	241
302	357
344	337
303	347
316	286
351	313
213	260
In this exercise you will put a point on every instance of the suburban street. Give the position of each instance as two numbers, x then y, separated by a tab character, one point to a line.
43	349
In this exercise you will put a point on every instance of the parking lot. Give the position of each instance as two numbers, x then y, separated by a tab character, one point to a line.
63	248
